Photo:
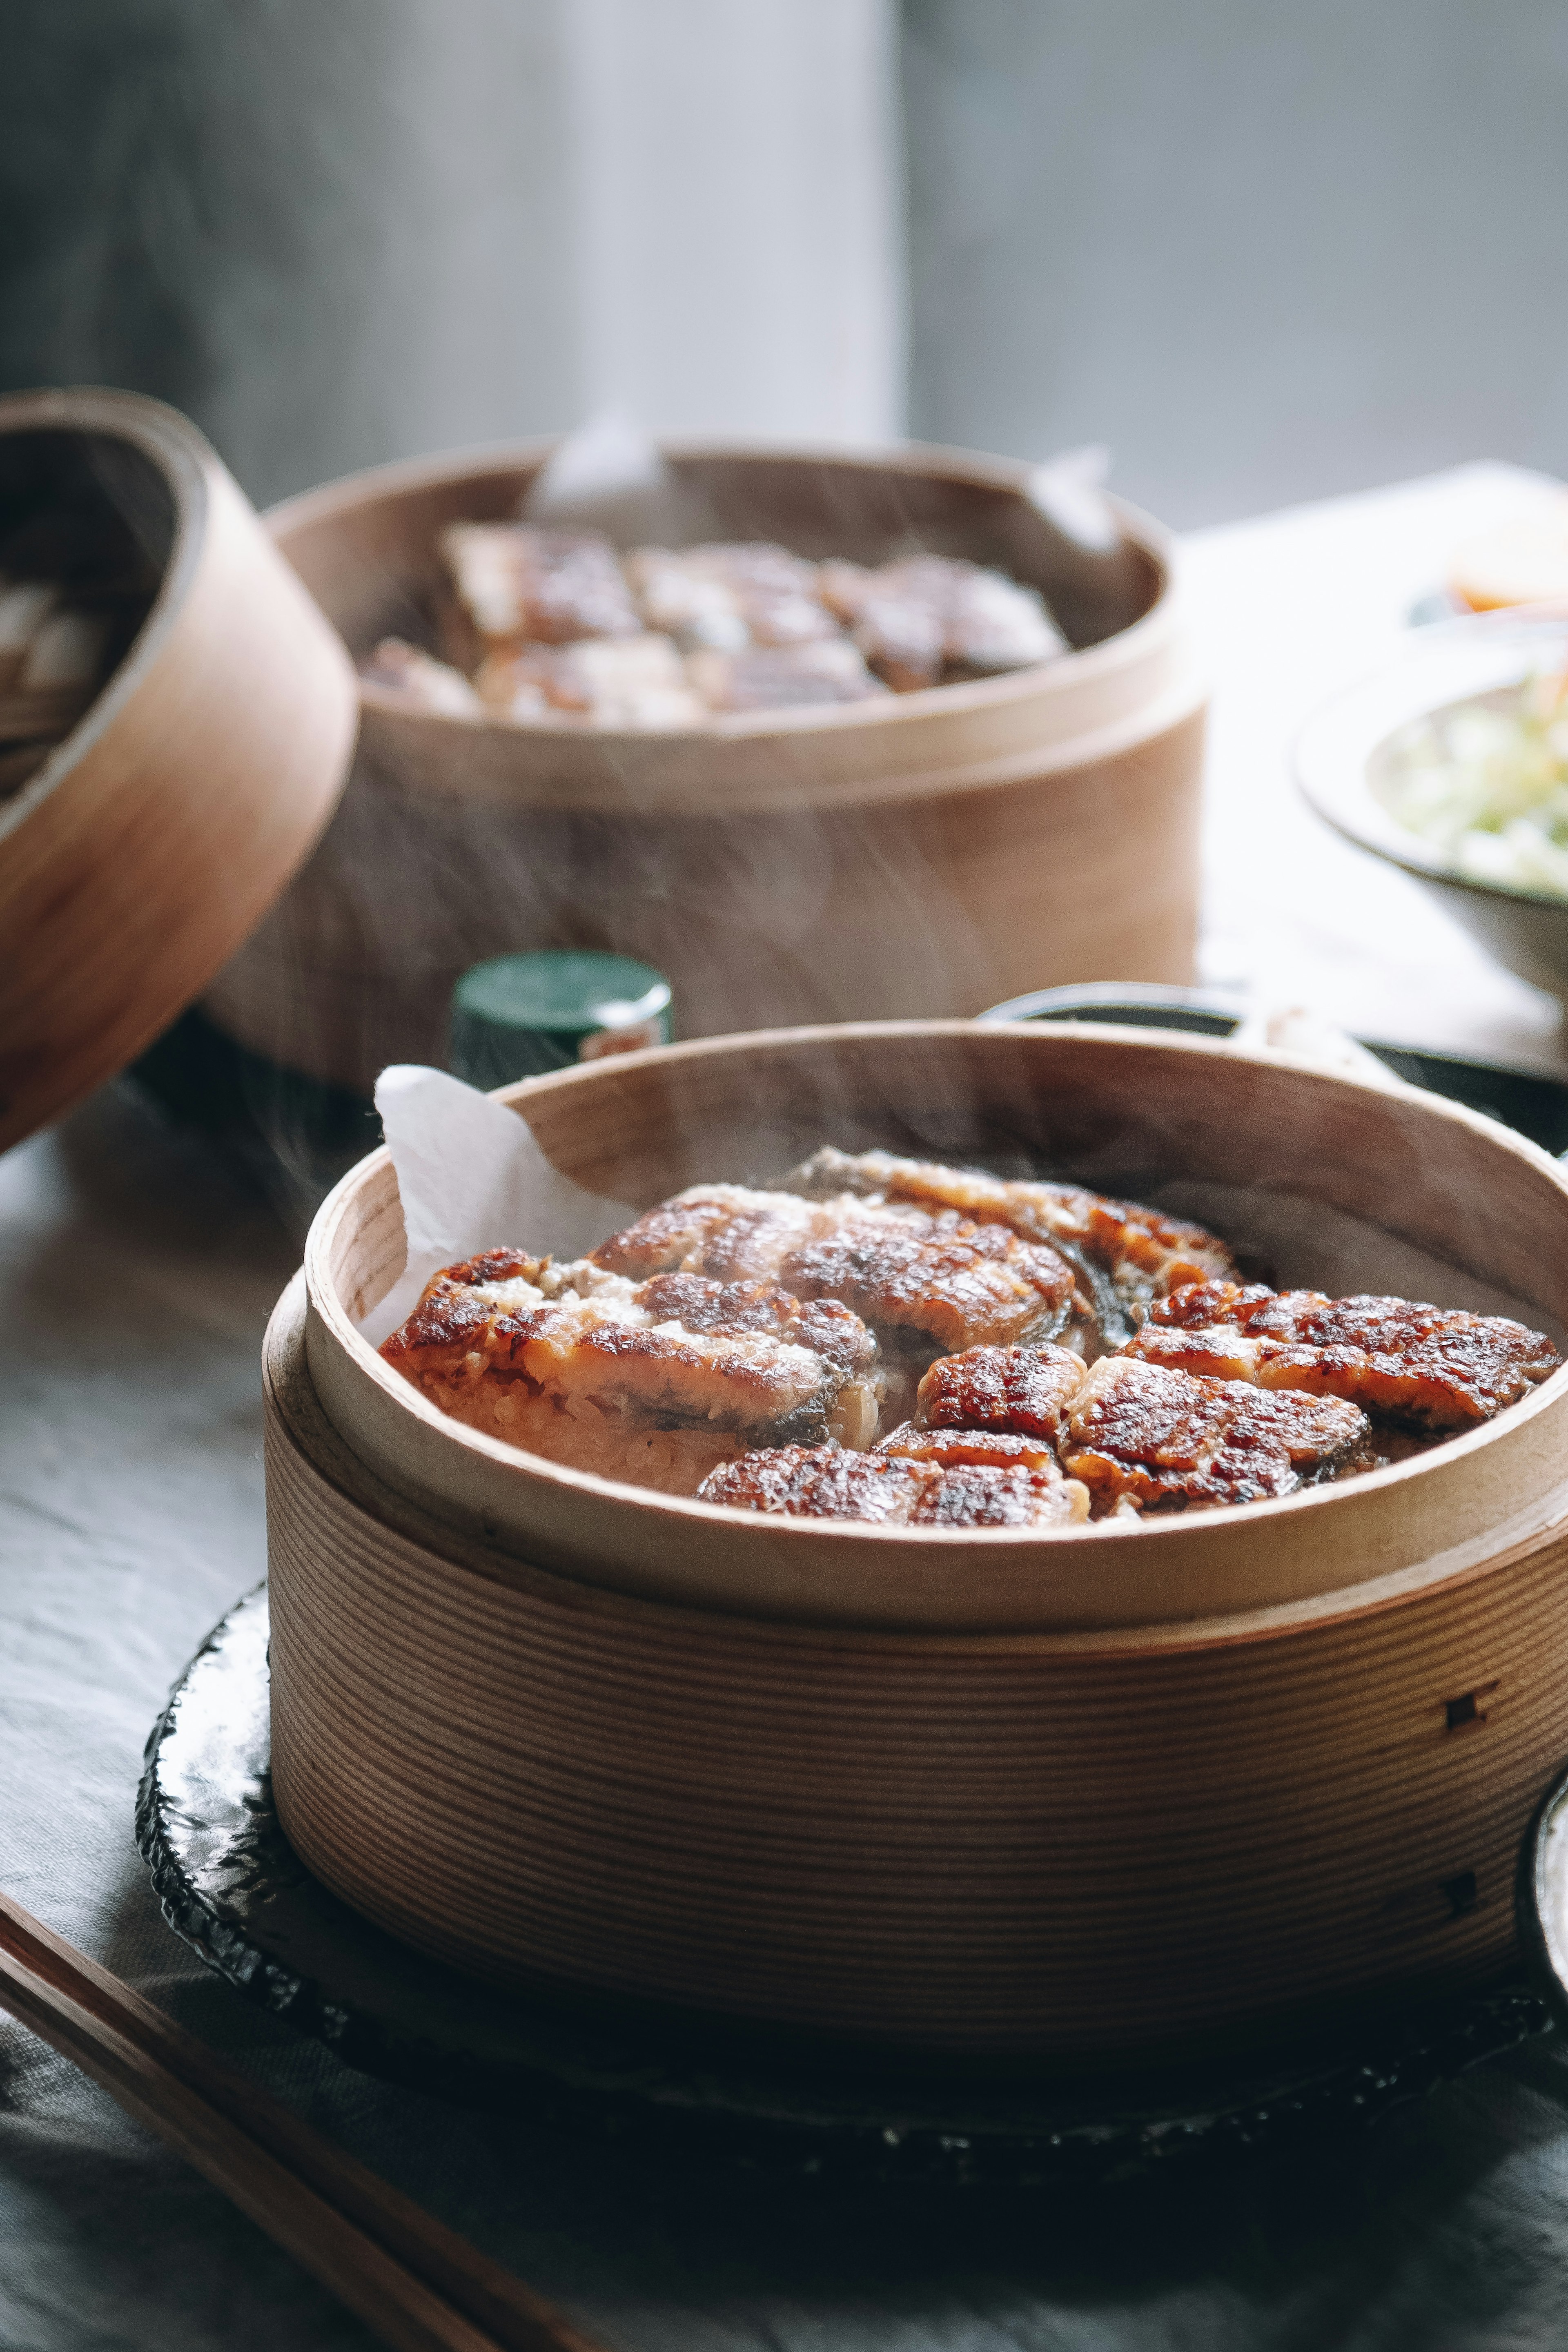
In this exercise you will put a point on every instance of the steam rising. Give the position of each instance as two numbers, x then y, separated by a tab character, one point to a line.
453	844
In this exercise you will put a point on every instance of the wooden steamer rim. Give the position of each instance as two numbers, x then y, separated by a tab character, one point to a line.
1094	703
639	1126
161	828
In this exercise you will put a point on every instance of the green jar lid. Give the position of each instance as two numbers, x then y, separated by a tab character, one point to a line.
521	1014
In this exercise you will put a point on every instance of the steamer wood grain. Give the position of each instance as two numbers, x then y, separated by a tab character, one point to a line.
1073	1800
924	854
164	825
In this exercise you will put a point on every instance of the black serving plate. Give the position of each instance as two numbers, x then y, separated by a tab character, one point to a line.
680	2091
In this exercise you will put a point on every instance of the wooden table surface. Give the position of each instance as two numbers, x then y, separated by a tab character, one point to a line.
136	1273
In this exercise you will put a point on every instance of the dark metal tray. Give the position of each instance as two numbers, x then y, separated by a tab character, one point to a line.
231	1884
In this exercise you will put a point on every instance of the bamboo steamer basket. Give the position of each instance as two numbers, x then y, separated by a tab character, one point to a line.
981	1795
162	828
922	855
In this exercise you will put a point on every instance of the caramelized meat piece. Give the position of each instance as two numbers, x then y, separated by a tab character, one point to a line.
609	681
817	1483
729	1309
961	1286
778	678
418	679
549	586
944	1281
996	1449
821	1483
1428	1367
723	1230
1026	1391
978	1494
1172	1441
1131	1254
730	597
580	1365
931	616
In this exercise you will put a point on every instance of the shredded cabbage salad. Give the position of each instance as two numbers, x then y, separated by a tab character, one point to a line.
1486	787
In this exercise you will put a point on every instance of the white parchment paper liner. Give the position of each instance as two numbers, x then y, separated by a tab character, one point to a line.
472	1177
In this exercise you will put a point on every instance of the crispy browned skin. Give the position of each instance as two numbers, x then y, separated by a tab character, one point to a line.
939	1279
1173	1441
1144	1252
929	617
822	1482
1427	1368
1026	1391
548	586
997	1449
724	1230
457	1307
731	596
978	1494
728	1308
961	1286
816	1483
494	1338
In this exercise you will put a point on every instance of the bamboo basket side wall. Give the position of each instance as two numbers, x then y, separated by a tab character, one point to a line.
1063	1847
1089	1104
167	822
924	854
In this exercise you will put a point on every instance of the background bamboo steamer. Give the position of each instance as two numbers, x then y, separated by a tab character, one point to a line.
984	1794
925	854
134	861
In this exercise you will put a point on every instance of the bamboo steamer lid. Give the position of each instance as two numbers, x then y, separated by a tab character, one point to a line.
157	833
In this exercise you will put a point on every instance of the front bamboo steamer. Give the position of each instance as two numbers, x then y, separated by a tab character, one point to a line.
1074	1840
928	855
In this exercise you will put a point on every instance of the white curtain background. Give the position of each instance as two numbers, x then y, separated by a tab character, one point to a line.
344	234
739	214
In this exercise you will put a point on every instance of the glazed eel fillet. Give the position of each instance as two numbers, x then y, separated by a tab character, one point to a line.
924	1280
1130	1436
1127	1255
822	1482
1036	1354
1432	1369
656	1381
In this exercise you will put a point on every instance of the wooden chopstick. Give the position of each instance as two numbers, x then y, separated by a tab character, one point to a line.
421	2286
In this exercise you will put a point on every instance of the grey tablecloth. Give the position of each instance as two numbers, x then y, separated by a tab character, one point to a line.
136	1273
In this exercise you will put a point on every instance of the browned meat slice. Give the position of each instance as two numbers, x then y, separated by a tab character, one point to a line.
1428	1367
978	1494
932	617
943	1282
580	1365
609	681
961	1286
727	598
821	1483
420	681
731	1309
817	1483
996	1449
728	1308
778	678
1026	1391
1171	1440
1144	1252
723	1230
548	586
